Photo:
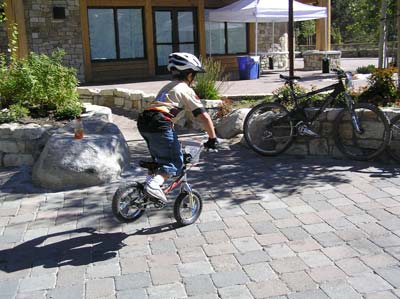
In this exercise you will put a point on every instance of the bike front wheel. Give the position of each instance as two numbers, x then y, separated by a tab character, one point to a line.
124	205
369	139
394	146
268	129
187	208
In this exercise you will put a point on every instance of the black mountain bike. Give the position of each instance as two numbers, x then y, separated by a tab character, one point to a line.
361	131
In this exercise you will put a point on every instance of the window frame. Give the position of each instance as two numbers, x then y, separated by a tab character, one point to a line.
116	32
226	41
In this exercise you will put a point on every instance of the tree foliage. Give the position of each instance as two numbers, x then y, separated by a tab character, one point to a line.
358	21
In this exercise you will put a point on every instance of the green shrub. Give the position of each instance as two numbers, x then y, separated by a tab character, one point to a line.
41	84
208	84
282	96
366	69
69	111
13	113
381	89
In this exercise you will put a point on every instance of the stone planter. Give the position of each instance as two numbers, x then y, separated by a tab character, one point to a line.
313	59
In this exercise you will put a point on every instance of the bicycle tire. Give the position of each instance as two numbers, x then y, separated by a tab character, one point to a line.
194	212
120	197
371	142
394	145
268	139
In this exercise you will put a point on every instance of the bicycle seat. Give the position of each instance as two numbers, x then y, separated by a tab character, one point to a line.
288	78
152	166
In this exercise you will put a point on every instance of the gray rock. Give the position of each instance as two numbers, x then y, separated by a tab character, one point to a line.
98	158
232	124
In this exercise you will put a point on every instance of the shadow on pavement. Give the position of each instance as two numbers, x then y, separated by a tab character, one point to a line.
85	246
78	250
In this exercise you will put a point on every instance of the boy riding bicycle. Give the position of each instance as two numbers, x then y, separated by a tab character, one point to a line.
156	123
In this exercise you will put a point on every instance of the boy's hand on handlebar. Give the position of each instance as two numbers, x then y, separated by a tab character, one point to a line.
212	143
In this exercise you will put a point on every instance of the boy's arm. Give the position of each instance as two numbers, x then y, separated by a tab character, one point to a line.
207	124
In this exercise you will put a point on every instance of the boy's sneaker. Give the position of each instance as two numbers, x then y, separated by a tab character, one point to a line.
153	189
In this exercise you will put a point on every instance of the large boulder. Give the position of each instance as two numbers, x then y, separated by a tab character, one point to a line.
98	158
232	124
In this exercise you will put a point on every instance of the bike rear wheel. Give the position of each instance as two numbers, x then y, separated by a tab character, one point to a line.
394	145
268	129
122	207
374	135
187	210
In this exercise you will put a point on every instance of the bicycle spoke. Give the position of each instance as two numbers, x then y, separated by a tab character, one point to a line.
268	129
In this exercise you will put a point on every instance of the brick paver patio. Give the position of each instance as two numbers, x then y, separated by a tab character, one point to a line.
282	227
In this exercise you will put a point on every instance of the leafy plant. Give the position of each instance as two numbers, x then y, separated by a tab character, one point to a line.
41	84
224	108
13	113
282	95
381	89
366	69
208	84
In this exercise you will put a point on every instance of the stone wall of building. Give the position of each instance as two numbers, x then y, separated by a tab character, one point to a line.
265	33
3	35
45	34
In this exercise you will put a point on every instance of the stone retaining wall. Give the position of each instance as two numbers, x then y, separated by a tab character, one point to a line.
22	144
126	99
325	145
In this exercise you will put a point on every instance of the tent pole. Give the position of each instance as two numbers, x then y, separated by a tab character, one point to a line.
209	34
291	40
256	13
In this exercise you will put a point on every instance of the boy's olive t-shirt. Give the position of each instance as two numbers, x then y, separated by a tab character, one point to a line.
175	98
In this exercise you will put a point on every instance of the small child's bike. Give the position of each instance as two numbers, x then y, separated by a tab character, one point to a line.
130	201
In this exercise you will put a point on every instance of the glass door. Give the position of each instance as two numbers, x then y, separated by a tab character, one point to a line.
175	31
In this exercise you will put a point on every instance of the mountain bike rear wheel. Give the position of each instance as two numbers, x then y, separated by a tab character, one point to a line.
123	203
268	129
394	145
372	138
187	209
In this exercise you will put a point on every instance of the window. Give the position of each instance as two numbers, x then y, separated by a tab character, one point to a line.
116	33
226	38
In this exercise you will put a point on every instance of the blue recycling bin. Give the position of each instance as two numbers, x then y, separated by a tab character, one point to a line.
248	67
243	62
254	67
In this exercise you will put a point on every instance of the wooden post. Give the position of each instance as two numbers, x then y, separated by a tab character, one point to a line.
291	39
202	29
15	14
323	36
148	19
87	64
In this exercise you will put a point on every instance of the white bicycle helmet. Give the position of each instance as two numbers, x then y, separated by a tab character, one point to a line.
181	62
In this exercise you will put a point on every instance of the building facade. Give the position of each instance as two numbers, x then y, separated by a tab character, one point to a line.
110	40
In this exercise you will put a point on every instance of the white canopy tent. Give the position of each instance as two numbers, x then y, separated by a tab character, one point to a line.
266	11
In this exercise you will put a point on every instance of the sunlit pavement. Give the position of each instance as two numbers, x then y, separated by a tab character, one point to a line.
283	227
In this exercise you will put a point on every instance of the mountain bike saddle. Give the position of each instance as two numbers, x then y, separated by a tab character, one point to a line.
150	165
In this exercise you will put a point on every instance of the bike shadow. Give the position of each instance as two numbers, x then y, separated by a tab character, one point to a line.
80	247
88	247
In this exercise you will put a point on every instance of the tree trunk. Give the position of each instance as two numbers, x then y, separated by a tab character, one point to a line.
382	36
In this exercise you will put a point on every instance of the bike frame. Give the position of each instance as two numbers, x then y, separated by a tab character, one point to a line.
180	180
337	89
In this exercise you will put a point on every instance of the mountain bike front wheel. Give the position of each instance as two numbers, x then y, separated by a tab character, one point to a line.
187	207
268	129
394	145
363	133
124	203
